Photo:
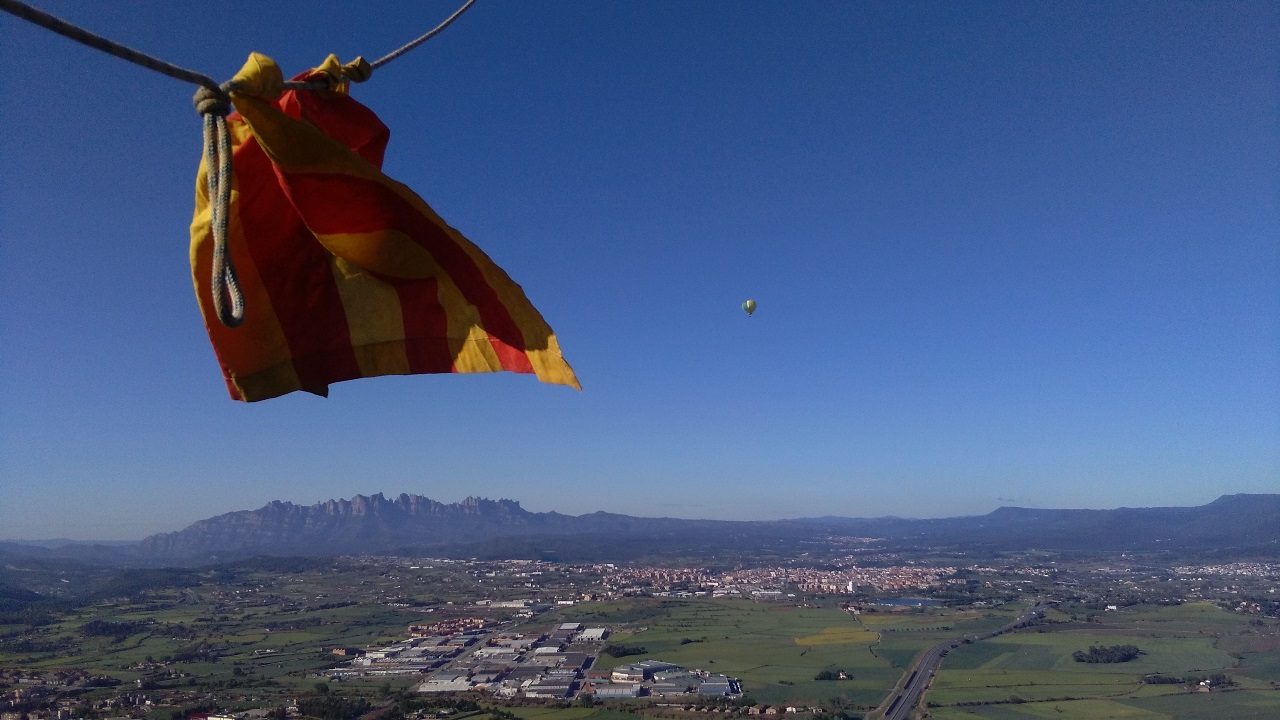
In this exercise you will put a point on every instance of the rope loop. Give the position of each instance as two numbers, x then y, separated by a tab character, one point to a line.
211	102
228	298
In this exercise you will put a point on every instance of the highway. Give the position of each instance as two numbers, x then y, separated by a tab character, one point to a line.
903	701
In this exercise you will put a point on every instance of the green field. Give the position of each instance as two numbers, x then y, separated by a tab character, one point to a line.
776	650
269	646
1037	667
1236	705
540	713
904	634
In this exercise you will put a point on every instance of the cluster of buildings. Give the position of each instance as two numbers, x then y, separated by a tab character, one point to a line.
555	664
624	580
564	584
28	687
660	679
1240	569
544	665
413	656
473	656
766	583
847	580
452	626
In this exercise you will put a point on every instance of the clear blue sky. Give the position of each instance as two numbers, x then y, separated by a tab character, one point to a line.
1004	253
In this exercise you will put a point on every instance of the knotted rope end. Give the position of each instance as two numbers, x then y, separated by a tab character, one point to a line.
357	70
209	101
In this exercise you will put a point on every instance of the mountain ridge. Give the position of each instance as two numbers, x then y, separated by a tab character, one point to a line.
475	526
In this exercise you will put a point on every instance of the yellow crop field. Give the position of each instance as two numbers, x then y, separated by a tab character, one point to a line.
838	636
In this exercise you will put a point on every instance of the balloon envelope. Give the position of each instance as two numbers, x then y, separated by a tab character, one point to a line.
749	306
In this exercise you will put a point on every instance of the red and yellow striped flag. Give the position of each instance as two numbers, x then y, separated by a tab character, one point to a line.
347	273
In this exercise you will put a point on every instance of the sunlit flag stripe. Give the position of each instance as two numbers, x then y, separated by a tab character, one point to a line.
367	207
296	272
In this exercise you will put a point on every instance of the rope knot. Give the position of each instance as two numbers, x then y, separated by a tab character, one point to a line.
357	70
211	102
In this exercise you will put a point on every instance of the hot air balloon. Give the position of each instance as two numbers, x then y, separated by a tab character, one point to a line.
749	307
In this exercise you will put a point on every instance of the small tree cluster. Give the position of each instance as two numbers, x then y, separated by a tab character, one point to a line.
1107	654
619	650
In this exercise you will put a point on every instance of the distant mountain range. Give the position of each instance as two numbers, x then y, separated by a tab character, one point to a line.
496	529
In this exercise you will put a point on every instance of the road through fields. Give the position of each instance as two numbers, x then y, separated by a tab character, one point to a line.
903	699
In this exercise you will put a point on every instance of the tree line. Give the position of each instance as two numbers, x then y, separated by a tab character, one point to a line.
1107	654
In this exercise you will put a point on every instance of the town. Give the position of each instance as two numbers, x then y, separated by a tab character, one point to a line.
265	636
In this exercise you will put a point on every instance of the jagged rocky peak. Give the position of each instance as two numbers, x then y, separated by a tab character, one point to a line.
360	505
368	504
416	504
484	506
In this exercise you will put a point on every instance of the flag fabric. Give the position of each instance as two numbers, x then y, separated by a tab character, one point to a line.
347	273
